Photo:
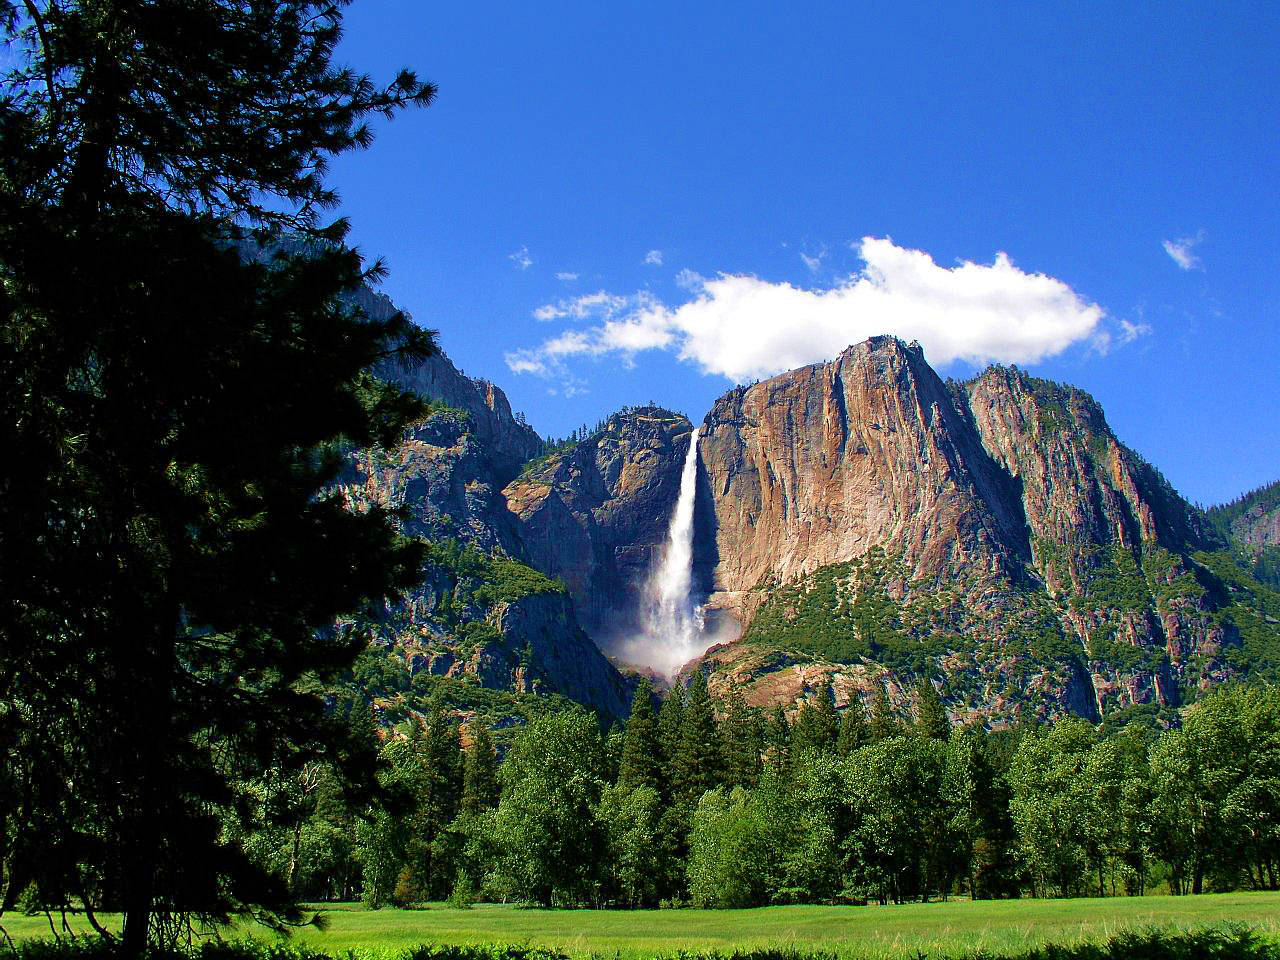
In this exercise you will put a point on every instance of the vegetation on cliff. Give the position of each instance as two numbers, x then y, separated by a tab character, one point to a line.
869	612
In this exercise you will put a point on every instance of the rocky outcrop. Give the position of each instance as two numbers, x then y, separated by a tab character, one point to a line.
480	611
820	465
1251	522
866	523
595	516
1258	528
443	479
873	521
1078	484
506	441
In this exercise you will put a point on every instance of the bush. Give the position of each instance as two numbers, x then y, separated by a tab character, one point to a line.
463	894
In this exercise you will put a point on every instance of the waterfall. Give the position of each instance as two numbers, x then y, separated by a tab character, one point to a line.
673	625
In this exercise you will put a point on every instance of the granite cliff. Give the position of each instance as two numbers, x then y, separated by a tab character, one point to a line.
859	521
867	523
596	516
1252	521
481	615
876	525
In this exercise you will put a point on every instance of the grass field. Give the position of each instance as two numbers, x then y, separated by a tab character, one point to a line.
874	932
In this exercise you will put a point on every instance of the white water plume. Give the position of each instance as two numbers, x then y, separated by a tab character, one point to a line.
673	626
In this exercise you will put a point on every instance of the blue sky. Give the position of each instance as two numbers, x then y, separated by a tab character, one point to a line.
681	193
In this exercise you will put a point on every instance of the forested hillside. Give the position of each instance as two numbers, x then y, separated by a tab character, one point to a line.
1251	524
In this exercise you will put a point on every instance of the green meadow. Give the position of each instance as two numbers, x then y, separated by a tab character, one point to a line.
953	928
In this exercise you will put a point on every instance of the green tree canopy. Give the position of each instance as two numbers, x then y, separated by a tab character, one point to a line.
550	838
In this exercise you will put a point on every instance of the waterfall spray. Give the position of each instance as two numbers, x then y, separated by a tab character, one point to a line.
673	625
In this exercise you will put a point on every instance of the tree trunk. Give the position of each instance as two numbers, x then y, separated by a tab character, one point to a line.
137	914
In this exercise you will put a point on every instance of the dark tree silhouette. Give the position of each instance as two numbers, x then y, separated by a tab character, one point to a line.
179	380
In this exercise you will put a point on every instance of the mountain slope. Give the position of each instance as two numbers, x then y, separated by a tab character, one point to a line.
596	515
876	525
1251	524
1253	520
861	520
481	614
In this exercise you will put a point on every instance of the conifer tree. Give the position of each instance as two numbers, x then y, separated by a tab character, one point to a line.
437	785
884	722
641	753
670	722
742	740
479	771
854	733
778	739
614	741
931	715
699	763
817	724
673	825
172	565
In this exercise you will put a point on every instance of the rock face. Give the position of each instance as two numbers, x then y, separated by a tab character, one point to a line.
506	441
864	523
481	611
819	465
1259	527
1078	484
874	524
1253	520
596	516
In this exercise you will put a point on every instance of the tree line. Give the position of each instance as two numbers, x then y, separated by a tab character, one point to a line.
720	804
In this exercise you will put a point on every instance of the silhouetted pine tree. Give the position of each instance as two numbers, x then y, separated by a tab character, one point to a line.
172	564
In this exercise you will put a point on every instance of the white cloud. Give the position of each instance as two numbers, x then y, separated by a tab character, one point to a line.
653	258
814	263
566	276
598	306
521	258
742	328
1130	332
690	280
1181	251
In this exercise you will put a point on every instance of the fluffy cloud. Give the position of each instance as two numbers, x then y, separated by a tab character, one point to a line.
1182	251
743	328
521	258
653	258
566	276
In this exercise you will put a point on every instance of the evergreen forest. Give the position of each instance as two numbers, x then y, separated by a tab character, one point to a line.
707	803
